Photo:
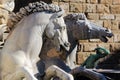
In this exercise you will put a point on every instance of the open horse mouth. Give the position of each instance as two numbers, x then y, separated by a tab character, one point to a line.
64	47
104	39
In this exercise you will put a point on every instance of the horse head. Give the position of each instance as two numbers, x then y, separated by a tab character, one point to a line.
93	31
100	31
55	26
83	29
56	29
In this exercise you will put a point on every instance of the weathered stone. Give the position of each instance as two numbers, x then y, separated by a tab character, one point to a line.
110	40
117	17
87	1
105	45
107	16
80	58
115	9
92	1
93	16
83	41
80	47
81	1
114	46
65	6
115	25
89	8
101	8
83	7
116	37
94	40
89	47
107	24
105	1
116	1
74	7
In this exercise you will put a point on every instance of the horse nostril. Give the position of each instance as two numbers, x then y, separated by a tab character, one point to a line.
110	35
67	44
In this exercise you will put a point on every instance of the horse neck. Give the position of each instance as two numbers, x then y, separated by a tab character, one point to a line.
31	21
73	41
26	31
81	32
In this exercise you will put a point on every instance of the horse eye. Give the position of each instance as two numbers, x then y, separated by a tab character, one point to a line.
106	30
63	27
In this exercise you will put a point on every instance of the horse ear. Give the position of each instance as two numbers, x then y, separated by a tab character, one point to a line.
58	14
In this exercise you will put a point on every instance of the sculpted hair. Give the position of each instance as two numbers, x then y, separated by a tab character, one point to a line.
75	16
31	8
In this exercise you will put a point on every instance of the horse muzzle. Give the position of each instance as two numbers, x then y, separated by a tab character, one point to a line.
110	35
65	46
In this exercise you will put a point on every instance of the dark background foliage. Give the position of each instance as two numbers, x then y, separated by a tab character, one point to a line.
22	3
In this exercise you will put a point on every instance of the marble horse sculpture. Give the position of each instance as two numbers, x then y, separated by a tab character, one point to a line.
78	28
31	24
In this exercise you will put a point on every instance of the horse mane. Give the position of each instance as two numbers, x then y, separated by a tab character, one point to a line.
31	8
73	20
75	17
111	61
